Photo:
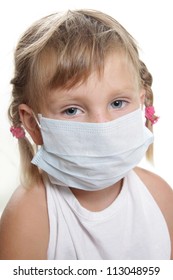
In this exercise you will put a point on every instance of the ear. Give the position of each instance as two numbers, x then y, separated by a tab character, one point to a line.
142	96
30	124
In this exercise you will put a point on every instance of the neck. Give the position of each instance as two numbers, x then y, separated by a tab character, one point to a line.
98	200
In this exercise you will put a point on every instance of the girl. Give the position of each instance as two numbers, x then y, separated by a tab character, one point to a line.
78	89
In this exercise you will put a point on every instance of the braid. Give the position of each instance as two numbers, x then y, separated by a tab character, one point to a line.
29	172
147	83
147	80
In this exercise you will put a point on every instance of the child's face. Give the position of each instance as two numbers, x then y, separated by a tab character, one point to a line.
101	98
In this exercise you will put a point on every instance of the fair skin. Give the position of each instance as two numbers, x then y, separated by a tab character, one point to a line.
24	229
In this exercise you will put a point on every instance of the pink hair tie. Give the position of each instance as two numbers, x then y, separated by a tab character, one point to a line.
149	114
17	132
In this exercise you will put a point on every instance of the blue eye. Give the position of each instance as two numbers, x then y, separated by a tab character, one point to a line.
72	111
117	104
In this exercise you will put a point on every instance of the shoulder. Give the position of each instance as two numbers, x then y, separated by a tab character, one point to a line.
162	193
24	225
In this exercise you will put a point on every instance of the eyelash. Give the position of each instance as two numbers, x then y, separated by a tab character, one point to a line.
117	104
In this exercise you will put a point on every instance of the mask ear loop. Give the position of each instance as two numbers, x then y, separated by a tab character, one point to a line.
38	127
36	119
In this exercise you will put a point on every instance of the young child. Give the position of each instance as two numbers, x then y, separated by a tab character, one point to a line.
78	92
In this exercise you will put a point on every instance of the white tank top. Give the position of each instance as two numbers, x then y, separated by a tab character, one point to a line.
132	227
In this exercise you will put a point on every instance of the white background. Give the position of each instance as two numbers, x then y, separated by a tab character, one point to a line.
149	22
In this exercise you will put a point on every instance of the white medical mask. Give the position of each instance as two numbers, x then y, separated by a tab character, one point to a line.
91	156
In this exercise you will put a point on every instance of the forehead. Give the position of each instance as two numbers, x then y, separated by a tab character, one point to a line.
118	75
119	70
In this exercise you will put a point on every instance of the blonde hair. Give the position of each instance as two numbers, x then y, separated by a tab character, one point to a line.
59	51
